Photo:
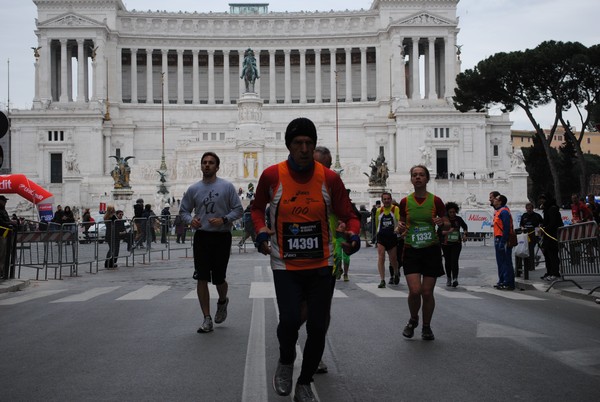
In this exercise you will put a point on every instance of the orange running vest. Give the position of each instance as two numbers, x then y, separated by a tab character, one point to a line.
303	238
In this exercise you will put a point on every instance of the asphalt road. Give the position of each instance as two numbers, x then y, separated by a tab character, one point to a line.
130	335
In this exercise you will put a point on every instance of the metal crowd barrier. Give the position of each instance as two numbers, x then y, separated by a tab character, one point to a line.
52	247
579	252
45	246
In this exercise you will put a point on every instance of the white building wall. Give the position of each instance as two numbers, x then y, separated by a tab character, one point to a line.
193	128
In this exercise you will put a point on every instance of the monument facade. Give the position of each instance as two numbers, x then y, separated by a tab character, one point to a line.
381	79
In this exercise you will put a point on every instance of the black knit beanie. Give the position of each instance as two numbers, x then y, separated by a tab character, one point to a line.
300	126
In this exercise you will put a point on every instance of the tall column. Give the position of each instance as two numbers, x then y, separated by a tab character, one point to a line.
36	95
118	92
195	81
414	68
226	78
46	79
80	72
363	74
272	84
257	82
70	72
211	77
180	99
134	81
450	63
149	88
64	96
165	75
380	70
332	78
348	74
288	76
401	64
86	75
318	89
431	94
302	75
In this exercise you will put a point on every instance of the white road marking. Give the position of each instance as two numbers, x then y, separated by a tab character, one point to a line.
29	296
255	370
508	294
194	295
87	295
384	292
453	294
144	293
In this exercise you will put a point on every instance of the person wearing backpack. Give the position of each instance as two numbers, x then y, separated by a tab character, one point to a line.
386	219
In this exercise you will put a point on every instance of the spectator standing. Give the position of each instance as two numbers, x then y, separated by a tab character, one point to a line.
420	212
503	226
121	231
111	238
248	225
580	211
551	222
165	216
364	226
180	229
139	222
529	223
215	204
152	224
452	240
594	207
57	219
301	249
373	225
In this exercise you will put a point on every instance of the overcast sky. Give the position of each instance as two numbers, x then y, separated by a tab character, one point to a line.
486	27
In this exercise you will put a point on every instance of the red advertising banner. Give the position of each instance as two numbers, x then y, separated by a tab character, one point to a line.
21	185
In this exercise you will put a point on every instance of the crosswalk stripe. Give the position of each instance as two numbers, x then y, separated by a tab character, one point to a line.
145	293
29	296
383	292
194	295
266	290
454	294
514	295
87	295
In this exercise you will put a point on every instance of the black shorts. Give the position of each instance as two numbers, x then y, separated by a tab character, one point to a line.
211	256
387	241
425	261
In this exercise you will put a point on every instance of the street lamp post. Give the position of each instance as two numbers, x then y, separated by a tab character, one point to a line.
162	171
337	167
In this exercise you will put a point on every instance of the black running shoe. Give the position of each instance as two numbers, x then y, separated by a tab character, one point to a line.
427	334
409	329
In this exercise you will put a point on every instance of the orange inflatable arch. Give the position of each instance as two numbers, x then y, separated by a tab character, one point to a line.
21	185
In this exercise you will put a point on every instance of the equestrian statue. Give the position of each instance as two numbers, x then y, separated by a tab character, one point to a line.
249	70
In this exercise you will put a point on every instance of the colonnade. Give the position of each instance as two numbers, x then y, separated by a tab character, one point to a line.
291	75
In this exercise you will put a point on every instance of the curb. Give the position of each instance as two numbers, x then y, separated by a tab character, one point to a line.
575	293
13	285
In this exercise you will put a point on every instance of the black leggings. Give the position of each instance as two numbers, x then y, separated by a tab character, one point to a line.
292	289
451	256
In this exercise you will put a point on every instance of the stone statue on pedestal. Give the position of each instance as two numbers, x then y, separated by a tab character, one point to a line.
121	172
249	70
379	171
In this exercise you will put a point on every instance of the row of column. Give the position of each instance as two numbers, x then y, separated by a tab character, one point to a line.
439	71
226	75
54	71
